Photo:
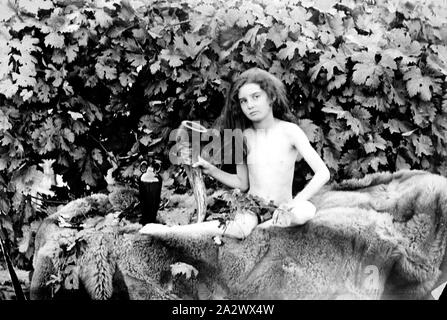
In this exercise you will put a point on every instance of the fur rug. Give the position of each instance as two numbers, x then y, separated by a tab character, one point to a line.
381	237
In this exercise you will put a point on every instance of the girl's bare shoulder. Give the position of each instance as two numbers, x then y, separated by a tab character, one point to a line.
289	126
292	130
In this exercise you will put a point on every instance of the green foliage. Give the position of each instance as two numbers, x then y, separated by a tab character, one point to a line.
96	84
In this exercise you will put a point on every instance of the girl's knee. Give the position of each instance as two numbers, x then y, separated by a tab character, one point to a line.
303	212
246	230
237	230
241	226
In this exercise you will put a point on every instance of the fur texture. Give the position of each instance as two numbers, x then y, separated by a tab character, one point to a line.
381	237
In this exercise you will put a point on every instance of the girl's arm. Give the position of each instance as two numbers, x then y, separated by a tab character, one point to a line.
322	174
238	180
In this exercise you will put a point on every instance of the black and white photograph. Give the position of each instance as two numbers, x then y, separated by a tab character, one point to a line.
239	152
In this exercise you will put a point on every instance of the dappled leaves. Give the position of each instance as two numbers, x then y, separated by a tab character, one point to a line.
96	84
363	63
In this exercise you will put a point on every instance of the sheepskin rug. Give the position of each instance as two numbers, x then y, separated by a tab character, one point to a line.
381	237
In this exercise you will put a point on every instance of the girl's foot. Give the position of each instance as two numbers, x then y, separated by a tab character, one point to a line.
155	229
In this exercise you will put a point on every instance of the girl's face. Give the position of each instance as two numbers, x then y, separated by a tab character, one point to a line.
255	103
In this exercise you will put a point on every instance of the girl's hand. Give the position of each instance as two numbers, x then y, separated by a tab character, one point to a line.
296	212
282	216
207	168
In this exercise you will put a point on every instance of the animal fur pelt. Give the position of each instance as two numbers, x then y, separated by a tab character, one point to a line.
381	237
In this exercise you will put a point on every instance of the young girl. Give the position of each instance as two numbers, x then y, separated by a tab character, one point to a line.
256	105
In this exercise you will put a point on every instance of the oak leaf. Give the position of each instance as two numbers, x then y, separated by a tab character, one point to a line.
439	127
326	36
184	76
136	60
105	71
375	160
97	156
55	40
418	84
5	65
329	61
109	4
125	79
190	44
26	75
8	88
155	67
103	19
26	45
4	122
331	106
72	52
367	74
337	82
355	124
173	59
26	94
6	11
401	164
310	129
376	142
33	6
423	145
277	34
87	175
397	126
288	52
330	158
404	46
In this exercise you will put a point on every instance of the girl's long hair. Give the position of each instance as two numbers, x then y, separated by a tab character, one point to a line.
233	117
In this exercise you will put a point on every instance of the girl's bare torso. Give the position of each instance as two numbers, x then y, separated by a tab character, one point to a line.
271	160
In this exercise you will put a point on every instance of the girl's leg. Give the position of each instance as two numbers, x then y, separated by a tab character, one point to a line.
208	228
239	228
242	225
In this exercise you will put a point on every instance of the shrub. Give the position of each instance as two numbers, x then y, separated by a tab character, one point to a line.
96	84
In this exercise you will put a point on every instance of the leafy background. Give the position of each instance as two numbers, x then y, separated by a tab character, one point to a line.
90	88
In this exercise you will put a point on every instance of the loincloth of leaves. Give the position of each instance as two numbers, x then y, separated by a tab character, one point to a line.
227	203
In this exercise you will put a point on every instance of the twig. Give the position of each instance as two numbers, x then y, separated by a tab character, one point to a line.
49	201
14	279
